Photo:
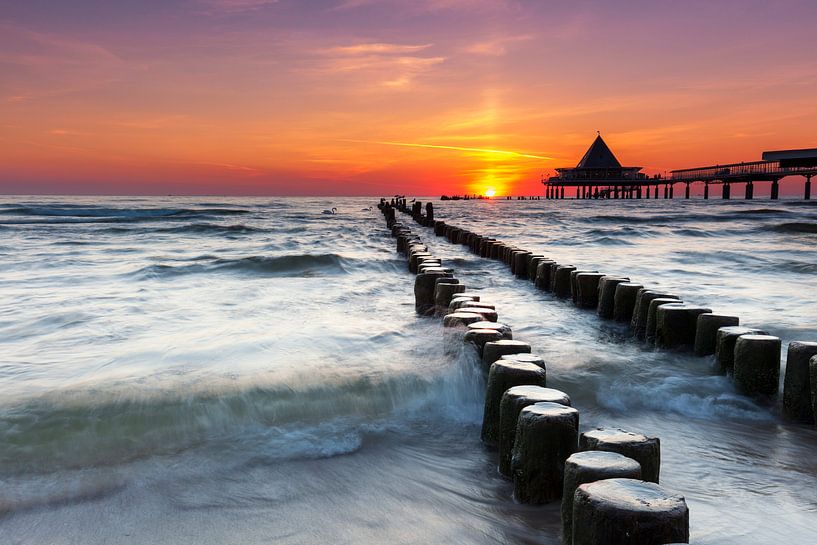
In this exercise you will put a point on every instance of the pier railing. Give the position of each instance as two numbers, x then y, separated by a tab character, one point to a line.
752	171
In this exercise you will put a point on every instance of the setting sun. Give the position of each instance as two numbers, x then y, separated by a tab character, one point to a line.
490	192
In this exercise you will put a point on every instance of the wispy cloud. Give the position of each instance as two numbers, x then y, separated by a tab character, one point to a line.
377	48
423	6
496	47
234	6
40	64
391	65
486	151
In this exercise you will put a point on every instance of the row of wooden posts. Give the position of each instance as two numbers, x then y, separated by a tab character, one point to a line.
606	478
750	356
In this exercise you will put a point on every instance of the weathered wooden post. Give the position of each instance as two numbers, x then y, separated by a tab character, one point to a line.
574	284
652	317
424	285
587	467
503	375
725	345
645	450
757	365
625	301
587	285
492	351
561	281
676	325
513	401
796	382
706	331
545	437
628	512
607	295
642	308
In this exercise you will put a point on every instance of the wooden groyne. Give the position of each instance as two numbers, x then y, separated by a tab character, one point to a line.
535	429
662	319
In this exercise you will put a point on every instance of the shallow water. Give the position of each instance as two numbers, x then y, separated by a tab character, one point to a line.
208	370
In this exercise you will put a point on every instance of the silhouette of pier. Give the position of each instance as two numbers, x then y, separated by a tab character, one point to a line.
599	175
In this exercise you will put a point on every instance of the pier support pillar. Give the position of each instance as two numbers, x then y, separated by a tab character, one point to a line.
706	190
750	191
726	190
775	189
807	193
656	192
666	191
563	192
638	191
615	190
686	193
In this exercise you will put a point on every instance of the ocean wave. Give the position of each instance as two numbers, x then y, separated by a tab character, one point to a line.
802	267
73	430
674	217
285	265
702	397
191	228
796	227
117	213
608	241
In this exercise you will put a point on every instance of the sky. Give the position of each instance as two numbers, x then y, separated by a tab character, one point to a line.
377	97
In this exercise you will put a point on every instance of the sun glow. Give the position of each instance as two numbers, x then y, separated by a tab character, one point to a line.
490	192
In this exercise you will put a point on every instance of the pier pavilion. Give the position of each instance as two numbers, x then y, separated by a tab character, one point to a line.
600	175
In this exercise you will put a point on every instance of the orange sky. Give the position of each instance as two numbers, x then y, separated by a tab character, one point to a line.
370	97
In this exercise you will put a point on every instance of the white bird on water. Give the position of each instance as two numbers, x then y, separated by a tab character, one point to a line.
332	212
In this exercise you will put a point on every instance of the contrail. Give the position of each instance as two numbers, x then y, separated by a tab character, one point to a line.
456	148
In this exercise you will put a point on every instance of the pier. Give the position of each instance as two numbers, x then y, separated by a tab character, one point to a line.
599	175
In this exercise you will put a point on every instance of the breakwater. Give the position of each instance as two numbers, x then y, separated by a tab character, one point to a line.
535	428
660	318
750	356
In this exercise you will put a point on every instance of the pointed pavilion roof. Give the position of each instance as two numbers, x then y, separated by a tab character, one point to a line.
599	156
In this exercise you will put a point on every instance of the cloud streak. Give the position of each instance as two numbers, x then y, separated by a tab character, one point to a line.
486	151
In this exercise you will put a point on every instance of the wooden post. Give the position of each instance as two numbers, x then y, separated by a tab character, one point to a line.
686	194
775	189
726	190
807	193
706	190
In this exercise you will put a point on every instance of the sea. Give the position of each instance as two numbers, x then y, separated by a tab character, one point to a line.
209	370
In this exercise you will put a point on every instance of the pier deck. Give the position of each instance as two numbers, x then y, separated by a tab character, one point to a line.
614	181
